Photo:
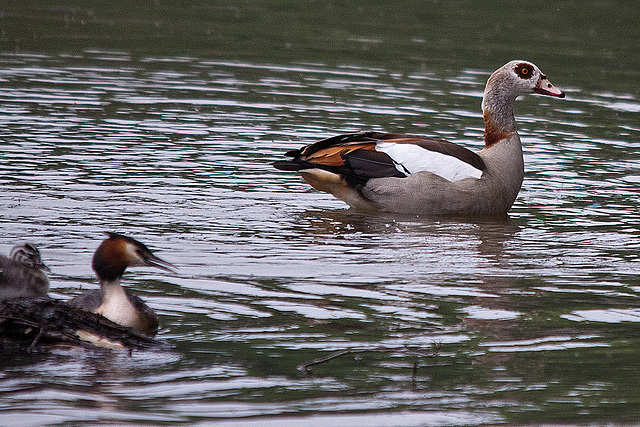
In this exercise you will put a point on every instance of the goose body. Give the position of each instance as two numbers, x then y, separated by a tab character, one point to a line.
112	301
421	175
22	273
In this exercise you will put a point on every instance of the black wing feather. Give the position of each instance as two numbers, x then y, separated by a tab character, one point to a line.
372	164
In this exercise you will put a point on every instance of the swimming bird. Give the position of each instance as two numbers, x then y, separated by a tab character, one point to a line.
23	274
422	175
112	301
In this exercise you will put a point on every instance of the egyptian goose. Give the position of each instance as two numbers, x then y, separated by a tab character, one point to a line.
421	175
23	274
112	301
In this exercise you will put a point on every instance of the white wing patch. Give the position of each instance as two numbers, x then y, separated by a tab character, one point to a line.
413	158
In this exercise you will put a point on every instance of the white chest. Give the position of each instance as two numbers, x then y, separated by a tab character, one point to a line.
117	307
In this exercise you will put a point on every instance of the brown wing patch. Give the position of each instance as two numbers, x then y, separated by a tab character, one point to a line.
343	140
335	155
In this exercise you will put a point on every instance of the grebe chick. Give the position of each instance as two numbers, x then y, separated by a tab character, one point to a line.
112	301
22	274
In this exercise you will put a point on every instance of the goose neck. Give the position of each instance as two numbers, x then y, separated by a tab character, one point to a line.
497	112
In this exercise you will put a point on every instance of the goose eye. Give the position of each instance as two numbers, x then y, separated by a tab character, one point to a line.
524	70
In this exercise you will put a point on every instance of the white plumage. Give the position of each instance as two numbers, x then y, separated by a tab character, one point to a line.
411	158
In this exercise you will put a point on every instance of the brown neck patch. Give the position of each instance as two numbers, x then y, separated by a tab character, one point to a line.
493	133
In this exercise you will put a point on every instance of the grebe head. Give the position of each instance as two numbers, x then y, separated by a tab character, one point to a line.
118	252
29	256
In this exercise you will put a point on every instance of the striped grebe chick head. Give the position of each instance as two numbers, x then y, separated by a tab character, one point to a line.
29	256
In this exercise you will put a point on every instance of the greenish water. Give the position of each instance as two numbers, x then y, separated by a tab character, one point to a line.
161	120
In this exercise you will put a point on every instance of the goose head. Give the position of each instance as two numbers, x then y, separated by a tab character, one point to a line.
519	78
29	256
118	252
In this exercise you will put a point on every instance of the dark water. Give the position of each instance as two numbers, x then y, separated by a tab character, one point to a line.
161	122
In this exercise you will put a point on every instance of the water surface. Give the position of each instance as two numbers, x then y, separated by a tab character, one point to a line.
137	121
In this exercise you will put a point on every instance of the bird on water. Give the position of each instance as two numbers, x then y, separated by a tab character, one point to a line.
112	301
422	175
22	273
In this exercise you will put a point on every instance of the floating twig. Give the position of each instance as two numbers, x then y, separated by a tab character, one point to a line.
306	367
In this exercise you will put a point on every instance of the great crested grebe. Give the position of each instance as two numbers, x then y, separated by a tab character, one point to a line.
421	175
112	301
23	274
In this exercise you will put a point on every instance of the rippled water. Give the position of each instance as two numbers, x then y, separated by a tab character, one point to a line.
535	318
